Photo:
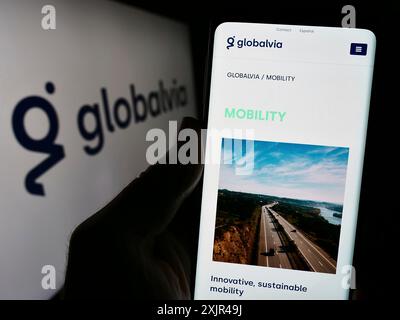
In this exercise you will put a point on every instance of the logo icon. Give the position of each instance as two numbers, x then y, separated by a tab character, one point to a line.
231	42
46	145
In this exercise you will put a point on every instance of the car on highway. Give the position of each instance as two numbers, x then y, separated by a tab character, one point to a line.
271	252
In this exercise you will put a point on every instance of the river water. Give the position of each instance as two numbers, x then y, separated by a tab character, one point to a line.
328	215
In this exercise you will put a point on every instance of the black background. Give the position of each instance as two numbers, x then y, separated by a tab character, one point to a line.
376	246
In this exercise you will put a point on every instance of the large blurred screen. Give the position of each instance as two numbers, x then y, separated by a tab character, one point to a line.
76	102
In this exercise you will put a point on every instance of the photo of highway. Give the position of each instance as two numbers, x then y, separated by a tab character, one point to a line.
281	245
287	213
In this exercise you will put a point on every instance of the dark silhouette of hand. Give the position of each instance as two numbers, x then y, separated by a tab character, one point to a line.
126	250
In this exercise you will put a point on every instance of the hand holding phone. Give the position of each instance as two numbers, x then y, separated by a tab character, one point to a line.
287	122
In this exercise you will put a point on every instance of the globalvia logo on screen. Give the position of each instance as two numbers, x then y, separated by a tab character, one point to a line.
107	115
255	43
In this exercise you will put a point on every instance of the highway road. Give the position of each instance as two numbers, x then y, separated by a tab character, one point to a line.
269	240
316	258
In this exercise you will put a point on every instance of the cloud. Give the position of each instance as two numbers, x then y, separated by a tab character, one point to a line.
293	172
319	150
276	154
326	171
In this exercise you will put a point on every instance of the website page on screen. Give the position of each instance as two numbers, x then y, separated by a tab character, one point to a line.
288	114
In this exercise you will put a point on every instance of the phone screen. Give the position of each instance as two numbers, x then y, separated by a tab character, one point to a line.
288	113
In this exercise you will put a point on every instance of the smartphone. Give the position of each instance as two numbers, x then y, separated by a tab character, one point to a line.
287	121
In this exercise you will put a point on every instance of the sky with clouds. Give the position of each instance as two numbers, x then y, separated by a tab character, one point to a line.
296	171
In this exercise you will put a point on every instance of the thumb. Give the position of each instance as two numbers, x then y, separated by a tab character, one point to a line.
147	205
